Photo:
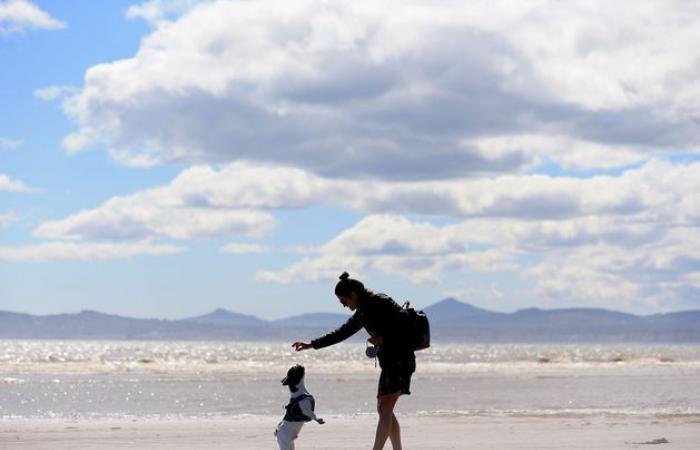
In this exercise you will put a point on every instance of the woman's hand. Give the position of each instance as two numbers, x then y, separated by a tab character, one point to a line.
299	346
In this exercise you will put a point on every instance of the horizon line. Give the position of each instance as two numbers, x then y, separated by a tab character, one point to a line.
447	299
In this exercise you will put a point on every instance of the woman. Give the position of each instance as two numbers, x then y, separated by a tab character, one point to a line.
381	317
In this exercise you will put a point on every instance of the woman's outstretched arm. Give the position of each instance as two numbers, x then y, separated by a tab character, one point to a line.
343	332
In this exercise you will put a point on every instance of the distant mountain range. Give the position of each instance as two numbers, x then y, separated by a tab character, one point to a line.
451	321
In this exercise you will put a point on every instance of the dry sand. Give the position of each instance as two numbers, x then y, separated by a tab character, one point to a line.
356	433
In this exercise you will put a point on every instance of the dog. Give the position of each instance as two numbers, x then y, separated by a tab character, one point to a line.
299	410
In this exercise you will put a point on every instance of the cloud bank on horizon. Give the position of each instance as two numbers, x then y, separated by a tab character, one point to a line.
558	141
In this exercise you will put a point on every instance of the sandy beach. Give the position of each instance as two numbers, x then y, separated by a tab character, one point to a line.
356	433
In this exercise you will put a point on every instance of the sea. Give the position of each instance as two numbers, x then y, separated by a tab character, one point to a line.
86	380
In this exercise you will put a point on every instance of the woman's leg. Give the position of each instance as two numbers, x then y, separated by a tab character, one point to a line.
385	408
395	435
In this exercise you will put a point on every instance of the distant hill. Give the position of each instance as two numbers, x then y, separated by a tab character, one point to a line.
95	325
450	319
453	320
227	318
452	310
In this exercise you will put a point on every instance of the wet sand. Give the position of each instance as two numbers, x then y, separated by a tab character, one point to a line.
356	432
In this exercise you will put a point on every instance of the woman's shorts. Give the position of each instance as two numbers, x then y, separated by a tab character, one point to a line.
396	376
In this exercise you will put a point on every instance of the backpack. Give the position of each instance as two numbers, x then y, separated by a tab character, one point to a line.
417	327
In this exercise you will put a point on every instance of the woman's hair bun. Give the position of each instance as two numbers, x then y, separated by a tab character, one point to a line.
347	285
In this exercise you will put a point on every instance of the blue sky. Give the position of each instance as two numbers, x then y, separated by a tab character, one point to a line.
164	158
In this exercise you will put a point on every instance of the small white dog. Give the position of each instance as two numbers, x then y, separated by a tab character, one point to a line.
299	410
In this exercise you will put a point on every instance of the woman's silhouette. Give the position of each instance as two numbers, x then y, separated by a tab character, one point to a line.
381	317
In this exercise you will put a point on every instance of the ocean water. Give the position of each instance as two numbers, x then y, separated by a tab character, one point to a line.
110	379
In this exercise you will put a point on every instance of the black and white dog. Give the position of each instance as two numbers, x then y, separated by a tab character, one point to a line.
299	410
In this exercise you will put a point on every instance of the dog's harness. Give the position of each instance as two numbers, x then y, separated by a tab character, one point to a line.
294	412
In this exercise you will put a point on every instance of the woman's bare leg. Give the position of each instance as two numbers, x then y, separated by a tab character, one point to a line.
395	435
385	408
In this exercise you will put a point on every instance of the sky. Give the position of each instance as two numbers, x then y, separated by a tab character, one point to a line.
165	158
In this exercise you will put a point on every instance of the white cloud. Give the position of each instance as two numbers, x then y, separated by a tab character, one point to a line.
155	216
53	92
419	252
323	268
10	144
74	142
8	184
565	151
655	188
566	261
84	251
237	248
155	11
399	90
597	54
663	271
19	15
7	218
422	252
127	157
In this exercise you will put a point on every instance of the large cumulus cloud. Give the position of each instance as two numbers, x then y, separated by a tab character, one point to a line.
398	90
